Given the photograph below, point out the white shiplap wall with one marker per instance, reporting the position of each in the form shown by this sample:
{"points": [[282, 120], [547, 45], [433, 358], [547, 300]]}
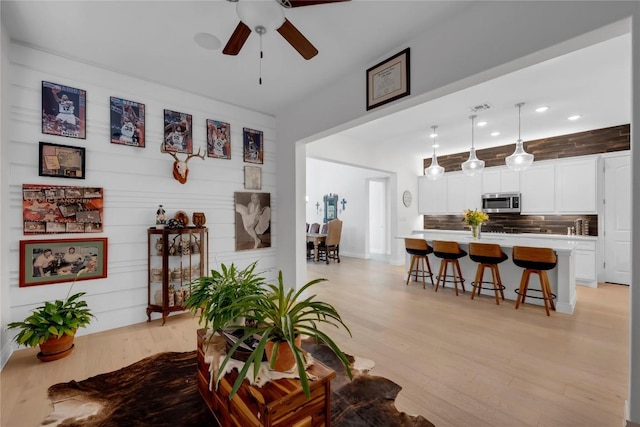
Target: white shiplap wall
{"points": [[135, 180]]}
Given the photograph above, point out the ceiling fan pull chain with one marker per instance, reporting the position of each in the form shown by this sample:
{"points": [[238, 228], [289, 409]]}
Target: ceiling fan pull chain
{"points": [[260, 70], [260, 30]]}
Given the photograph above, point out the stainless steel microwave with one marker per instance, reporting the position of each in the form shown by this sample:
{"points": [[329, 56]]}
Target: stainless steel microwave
{"points": [[501, 202]]}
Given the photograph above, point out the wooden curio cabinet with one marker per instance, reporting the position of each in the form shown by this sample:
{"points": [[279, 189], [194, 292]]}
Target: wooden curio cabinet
{"points": [[176, 258]]}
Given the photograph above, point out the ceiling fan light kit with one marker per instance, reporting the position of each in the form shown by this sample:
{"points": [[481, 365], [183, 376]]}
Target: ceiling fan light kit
{"points": [[520, 159], [474, 165]]}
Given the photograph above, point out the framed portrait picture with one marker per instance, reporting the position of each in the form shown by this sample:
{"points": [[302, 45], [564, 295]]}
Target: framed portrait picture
{"points": [[253, 220], [61, 161], [64, 110], [48, 209], [178, 135], [388, 80], [252, 143], [252, 178], [127, 122], [60, 260], [218, 139]]}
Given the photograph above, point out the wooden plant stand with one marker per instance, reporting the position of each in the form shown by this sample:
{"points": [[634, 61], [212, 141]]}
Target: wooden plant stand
{"points": [[278, 403]]}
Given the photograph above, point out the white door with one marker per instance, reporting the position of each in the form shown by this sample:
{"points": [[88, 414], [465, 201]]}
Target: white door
{"points": [[617, 220], [377, 217]]}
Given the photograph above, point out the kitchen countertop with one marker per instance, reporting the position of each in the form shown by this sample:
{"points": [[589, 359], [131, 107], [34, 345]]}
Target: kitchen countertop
{"points": [[558, 242]]}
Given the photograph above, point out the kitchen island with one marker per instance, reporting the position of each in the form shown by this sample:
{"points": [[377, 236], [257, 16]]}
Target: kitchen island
{"points": [[561, 278]]}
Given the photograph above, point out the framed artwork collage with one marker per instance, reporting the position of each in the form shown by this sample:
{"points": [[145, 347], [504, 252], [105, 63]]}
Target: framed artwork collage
{"points": [[56, 209]]}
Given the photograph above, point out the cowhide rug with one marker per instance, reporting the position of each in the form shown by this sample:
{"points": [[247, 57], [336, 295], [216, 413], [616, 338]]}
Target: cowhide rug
{"points": [[162, 390]]}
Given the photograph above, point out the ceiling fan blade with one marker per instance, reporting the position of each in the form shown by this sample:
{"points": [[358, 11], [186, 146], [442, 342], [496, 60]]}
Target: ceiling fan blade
{"points": [[297, 40], [239, 36], [298, 3]]}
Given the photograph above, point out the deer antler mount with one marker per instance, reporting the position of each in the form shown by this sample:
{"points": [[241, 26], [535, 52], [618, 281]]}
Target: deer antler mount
{"points": [[180, 168]]}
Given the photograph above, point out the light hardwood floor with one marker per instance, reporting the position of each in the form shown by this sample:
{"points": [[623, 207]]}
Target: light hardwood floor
{"points": [[461, 363]]}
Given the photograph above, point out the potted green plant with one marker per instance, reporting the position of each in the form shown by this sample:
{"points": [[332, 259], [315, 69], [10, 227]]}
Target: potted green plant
{"points": [[53, 325], [214, 295], [277, 319]]}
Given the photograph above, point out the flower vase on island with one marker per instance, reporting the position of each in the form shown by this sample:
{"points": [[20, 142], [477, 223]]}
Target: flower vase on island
{"points": [[475, 219]]}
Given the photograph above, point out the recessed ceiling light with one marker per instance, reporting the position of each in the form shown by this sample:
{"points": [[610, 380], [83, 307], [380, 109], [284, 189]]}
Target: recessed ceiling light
{"points": [[436, 145], [207, 41], [576, 117], [433, 135], [495, 133], [482, 124], [541, 109]]}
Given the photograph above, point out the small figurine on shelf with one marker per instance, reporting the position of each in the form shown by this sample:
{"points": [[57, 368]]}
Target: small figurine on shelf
{"points": [[199, 219], [161, 218]]}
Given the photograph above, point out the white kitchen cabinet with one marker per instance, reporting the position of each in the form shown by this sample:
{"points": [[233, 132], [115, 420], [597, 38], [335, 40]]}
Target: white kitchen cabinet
{"points": [[561, 187], [473, 192], [576, 186], [538, 188], [500, 179], [455, 192], [450, 195], [585, 264], [463, 192], [432, 196]]}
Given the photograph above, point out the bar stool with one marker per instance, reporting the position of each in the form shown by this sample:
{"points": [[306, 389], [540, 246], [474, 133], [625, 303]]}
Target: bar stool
{"points": [[419, 249], [449, 252], [535, 261], [488, 255]]}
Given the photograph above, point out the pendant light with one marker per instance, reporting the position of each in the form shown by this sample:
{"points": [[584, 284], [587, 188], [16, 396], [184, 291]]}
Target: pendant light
{"points": [[434, 172], [520, 159], [473, 166]]}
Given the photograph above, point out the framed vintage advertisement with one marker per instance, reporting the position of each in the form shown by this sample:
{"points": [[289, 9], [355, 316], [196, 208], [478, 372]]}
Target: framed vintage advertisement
{"points": [[252, 178], [253, 220], [252, 143], [60, 260], [61, 161], [178, 135], [64, 110], [50, 209], [218, 139], [127, 122], [389, 80]]}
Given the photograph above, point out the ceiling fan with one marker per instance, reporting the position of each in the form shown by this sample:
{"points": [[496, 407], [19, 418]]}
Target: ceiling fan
{"points": [[262, 16]]}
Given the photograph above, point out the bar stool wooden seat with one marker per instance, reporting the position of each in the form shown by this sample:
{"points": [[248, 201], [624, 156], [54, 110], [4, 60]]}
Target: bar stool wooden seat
{"points": [[419, 250], [487, 255], [449, 253], [535, 261]]}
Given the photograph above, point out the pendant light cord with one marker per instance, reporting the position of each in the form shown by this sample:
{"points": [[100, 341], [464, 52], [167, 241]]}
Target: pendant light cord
{"points": [[472, 129], [434, 139]]}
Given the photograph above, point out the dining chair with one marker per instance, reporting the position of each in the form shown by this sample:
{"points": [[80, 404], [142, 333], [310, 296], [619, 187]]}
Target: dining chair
{"points": [[330, 248]]}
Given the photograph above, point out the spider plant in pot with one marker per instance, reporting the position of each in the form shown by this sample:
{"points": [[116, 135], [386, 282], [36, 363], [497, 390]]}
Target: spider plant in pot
{"points": [[214, 295], [53, 325], [279, 318]]}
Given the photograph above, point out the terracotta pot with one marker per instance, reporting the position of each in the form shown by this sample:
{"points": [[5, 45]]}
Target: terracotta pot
{"points": [[56, 348], [285, 360]]}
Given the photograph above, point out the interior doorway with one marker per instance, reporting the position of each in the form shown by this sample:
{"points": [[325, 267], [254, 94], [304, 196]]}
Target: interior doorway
{"points": [[378, 230], [617, 219]]}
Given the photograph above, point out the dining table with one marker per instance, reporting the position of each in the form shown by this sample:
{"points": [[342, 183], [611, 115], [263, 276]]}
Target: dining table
{"points": [[316, 239]]}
